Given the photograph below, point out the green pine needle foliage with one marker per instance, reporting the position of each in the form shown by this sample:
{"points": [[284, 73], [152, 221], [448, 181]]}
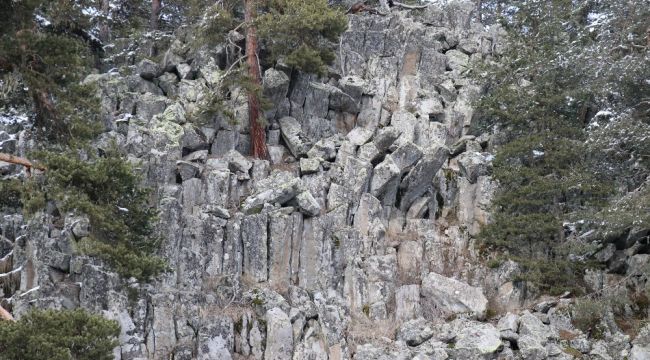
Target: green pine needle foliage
{"points": [[302, 32], [107, 190], [58, 335]]}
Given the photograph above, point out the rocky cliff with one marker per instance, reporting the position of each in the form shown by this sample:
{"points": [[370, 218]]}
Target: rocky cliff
{"points": [[354, 240]]}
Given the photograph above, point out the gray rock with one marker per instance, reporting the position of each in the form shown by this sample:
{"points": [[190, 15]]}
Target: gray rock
{"points": [[472, 165], [226, 140], [276, 154], [406, 156], [148, 105], [309, 165], [278, 193], [360, 135], [188, 170], [324, 149], [449, 296], [509, 322], [237, 162], [407, 302], [457, 60], [185, 71], [640, 353], [148, 69], [385, 138], [477, 340], [276, 85], [279, 342], [531, 348], [530, 325], [369, 152], [385, 178], [292, 134], [415, 332], [418, 181], [192, 138], [307, 204]]}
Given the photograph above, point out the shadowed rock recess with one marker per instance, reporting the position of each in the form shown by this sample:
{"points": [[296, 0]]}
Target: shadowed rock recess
{"points": [[355, 240]]}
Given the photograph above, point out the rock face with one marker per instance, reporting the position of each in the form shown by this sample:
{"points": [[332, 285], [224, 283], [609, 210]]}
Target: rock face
{"points": [[447, 296], [355, 240]]}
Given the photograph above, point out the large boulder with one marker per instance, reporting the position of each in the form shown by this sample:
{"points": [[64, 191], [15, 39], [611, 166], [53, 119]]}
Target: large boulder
{"points": [[276, 85], [277, 193], [445, 296], [477, 341]]}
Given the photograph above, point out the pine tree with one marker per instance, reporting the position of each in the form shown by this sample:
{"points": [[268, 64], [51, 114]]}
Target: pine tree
{"points": [[544, 96], [300, 33], [58, 335]]}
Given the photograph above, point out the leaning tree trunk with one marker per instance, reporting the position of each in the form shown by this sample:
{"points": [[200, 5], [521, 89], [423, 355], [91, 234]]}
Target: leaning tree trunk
{"points": [[258, 134]]}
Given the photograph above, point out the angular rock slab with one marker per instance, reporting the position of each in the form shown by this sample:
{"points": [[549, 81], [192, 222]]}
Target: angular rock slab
{"points": [[447, 297], [279, 342], [294, 138]]}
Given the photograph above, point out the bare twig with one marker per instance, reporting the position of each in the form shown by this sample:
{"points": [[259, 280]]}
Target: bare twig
{"points": [[410, 7]]}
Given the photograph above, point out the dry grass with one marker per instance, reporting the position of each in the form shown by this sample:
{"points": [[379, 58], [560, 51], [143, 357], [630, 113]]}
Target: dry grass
{"points": [[363, 330], [567, 335]]}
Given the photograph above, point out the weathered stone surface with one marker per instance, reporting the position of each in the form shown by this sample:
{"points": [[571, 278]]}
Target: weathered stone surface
{"points": [[406, 156], [187, 170], [324, 149], [237, 162], [407, 301], [531, 348], [385, 178], [148, 69], [415, 332], [418, 180], [278, 193], [307, 204], [448, 296], [385, 137], [530, 325], [276, 85], [279, 343], [472, 165], [359, 136], [477, 340], [309, 165], [292, 134]]}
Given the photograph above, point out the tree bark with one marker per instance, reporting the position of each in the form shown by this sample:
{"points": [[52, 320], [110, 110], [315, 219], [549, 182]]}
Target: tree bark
{"points": [[20, 161], [258, 134], [155, 11], [105, 31]]}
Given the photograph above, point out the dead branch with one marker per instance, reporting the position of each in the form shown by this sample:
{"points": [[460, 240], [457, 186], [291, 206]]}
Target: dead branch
{"points": [[5, 315], [409, 7], [20, 161]]}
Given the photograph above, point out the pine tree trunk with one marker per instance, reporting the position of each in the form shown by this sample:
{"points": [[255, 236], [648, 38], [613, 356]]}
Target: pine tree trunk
{"points": [[258, 134], [105, 31], [155, 11]]}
